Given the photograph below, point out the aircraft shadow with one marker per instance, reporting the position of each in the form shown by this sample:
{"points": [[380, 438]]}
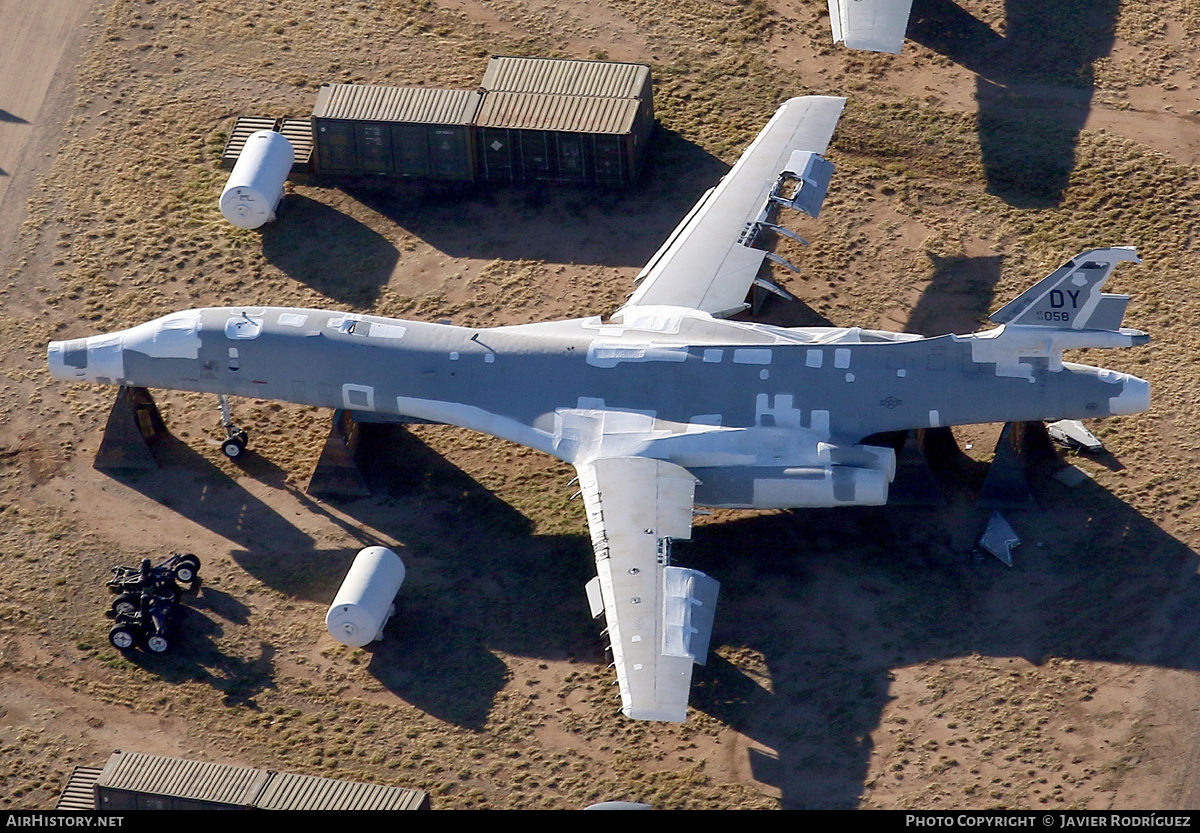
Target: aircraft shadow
{"points": [[832, 601], [478, 580], [835, 600], [556, 223], [1034, 85], [959, 296], [13, 118], [329, 251]]}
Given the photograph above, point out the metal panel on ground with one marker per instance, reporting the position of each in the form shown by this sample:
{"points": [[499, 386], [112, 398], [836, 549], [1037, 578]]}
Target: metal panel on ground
{"points": [[243, 129], [299, 133]]}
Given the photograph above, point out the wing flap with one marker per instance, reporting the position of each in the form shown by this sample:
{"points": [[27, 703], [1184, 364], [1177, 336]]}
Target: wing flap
{"points": [[659, 617], [710, 260]]}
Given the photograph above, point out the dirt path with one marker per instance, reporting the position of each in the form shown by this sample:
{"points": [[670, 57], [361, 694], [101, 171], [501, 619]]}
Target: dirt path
{"points": [[34, 39]]}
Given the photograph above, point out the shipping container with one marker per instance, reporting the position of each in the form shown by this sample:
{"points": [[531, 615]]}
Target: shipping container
{"points": [[532, 137], [395, 131], [564, 121], [602, 79], [135, 781]]}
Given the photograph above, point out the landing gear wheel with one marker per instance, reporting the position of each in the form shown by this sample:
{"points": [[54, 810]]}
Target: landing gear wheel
{"points": [[158, 643], [186, 569], [235, 446], [123, 637]]}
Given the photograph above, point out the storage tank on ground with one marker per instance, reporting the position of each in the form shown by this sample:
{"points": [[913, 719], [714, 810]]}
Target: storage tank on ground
{"points": [[363, 603], [255, 186]]}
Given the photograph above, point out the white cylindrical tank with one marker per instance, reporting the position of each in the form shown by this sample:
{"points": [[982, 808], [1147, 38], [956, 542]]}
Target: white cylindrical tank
{"points": [[363, 603], [255, 186]]}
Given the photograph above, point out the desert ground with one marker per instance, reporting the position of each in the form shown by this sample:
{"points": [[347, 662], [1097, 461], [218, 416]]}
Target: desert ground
{"points": [[862, 658]]}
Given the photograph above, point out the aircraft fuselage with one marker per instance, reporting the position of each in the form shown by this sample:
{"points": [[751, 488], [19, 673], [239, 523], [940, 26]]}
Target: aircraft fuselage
{"points": [[709, 394]]}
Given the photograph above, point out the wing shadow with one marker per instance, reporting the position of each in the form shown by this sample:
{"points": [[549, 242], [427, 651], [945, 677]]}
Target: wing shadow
{"points": [[835, 600], [1034, 85]]}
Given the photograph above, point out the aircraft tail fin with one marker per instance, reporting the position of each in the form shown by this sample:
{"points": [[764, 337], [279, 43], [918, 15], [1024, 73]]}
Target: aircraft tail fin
{"points": [[1069, 298]]}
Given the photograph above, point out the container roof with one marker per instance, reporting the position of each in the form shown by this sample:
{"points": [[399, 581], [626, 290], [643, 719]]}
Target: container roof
{"points": [[309, 792], [424, 105], [195, 780], [607, 79], [564, 113]]}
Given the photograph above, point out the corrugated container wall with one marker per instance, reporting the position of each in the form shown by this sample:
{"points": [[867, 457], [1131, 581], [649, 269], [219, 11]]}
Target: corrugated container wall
{"points": [[135, 781], [395, 131], [564, 121], [533, 120]]}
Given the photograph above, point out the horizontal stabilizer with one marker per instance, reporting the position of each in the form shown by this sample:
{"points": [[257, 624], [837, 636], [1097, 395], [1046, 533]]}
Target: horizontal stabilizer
{"points": [[1070, 298], [873, 25]]}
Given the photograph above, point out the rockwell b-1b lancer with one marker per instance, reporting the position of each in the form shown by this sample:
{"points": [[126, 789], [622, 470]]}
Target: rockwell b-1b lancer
{"points": [[668, 404]]}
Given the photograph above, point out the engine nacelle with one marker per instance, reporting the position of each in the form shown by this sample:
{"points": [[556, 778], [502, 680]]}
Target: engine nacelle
{"points": [[859, 478]]}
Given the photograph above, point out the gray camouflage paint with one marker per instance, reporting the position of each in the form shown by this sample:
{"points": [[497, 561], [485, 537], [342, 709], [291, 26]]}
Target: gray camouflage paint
{"points": [[733, 402]]}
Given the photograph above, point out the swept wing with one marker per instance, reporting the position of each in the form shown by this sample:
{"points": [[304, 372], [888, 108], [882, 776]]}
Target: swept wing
{"points": [[711, 259], [659, 617]]}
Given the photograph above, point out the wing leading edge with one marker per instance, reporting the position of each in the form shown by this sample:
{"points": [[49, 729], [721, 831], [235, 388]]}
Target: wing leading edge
{"points": [[710, 260], [659, 617]]}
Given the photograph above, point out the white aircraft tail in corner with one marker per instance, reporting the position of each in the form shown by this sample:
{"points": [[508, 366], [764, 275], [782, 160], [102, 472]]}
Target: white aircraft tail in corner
{"points": [[874, 25]]}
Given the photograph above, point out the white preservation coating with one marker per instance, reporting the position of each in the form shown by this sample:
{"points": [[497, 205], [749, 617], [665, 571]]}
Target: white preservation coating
{"points": [[363, 603], [255, 186]]}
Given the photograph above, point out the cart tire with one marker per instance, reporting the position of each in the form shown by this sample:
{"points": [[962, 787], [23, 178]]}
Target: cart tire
{"points": [[123, 637], [125, 605]]}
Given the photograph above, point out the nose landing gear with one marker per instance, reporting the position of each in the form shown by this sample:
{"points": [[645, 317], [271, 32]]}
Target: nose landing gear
{"points": [[234, 444]]}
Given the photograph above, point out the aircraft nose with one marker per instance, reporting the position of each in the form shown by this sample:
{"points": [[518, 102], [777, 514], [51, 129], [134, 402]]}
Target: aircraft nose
{"points": [[1133, 399], [92, 359]]}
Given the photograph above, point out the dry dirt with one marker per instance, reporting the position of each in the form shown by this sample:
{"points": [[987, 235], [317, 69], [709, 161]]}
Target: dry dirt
{"points": [[862, 658]]}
